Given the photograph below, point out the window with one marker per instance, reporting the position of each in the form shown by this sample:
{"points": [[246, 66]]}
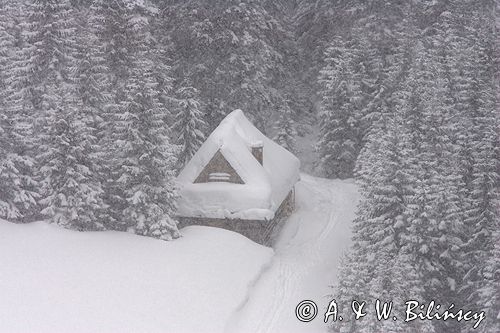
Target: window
{"points": [[219, 177]]}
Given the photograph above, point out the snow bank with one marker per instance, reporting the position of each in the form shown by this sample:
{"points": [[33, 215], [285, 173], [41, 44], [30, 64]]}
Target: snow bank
{"points": [[55, 280], [265, 186]]}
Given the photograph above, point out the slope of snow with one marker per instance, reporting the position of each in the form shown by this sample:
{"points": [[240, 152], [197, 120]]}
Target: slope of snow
{"points": [[55, 280], [308, 253], [265, 186]]}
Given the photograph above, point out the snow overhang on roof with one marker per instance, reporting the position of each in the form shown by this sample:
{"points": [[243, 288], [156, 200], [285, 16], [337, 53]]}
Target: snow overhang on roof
{"points": [[265, 186]]}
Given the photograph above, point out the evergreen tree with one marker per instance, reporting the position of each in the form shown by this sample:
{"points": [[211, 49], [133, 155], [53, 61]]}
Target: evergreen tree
{"points": [[482, 213], [231, 49], [108, 69], [439, 211], [396, 281], [489, 292], [92, 96], [143, 174], [189, 124], [69, 192], [286, 132], [17, 195], [338, 140], [381, 230]]}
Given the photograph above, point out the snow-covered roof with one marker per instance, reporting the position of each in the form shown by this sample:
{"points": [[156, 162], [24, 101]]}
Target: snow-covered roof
{"points": [[265, 186]]}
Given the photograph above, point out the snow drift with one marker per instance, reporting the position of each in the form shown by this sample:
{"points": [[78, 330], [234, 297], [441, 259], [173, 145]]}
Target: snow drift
{"points": [[55, 280]]}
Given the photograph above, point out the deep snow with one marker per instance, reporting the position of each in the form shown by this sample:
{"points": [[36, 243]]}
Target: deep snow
{"points": [[59, 281], [305, 265], [211, 280]]}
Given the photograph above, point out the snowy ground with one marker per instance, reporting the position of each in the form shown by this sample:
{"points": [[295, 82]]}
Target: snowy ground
{"points": [[211, 280], [59, 281], [306, 260]]}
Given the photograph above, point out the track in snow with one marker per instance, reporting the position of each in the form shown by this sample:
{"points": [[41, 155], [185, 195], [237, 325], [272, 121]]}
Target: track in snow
{"points": [[307, 255]]}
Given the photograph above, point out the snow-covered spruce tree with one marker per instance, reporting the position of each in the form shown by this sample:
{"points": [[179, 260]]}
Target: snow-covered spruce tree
{"points": [[314, 25], [441, 153], [17, 196], [92, 99], [189, 125], [145, 159], [93, 73], [17, 187], [231, 51], [482, 213], [378, 266], [382, 32], [112, 20], [285, 127], [444, 97], [290, 83], [462, 49], [434, 216], [352, 284], [395, 280], [162, 55], [402, 219], [69, 191], [108, 25], [489, 292], [337, 144]]}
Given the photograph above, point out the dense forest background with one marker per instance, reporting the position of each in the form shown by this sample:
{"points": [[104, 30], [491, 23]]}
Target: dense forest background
{"points": [[101, 102]]}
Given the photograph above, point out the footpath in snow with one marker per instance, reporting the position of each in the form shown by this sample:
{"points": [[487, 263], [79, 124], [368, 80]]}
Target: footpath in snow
{"points": [[305, 264]]}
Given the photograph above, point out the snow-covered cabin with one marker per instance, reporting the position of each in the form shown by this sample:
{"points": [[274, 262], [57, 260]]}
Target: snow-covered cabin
{"points": [[238, 180]]}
